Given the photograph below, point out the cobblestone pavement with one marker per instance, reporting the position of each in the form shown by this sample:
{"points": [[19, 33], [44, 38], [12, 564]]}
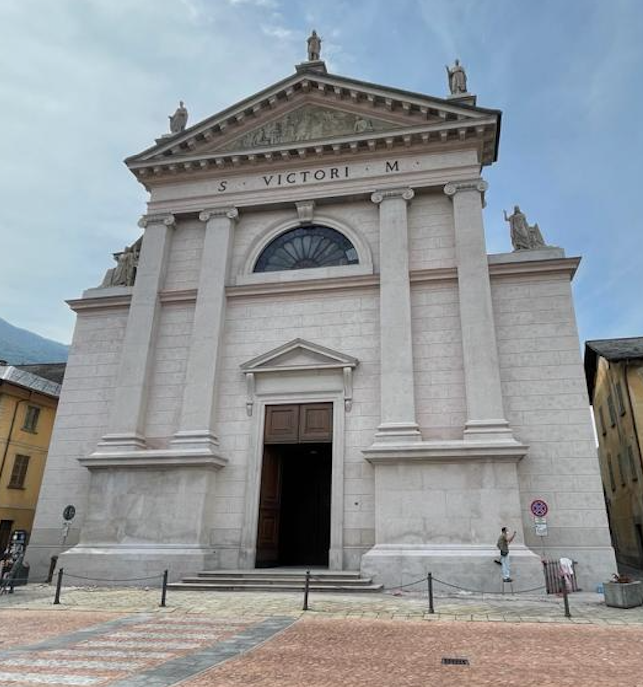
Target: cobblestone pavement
{"points": [[120, 637], [361, 653], [586, 608]]}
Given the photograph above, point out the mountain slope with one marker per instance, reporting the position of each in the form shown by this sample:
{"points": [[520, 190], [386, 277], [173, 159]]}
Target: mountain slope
{"points": [[19, 346]]}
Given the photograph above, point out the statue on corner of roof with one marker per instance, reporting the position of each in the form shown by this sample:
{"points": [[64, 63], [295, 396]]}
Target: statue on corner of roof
{"points": [[314, 47], [457, 78], [124, 274], [179, 119], [523, 235]]}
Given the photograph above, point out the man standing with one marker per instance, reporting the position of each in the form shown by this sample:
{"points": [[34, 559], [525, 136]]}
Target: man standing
{"points": [[503, 544]]}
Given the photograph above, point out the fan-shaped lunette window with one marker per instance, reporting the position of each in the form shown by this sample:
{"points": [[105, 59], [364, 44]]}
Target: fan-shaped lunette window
{"points": [[305, 247]]}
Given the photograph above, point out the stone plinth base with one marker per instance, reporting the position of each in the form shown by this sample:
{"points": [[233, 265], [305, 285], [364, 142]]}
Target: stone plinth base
{"points": [[471, 567], [118, 565]]}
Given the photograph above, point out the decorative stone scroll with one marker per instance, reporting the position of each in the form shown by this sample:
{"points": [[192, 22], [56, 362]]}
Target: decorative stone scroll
{"points": [[403, 193], [230, 212]]}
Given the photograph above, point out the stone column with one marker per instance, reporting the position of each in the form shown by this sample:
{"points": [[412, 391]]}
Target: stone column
{"points": [[126, 423], [485, 414], [196, 428], [398, 422]]}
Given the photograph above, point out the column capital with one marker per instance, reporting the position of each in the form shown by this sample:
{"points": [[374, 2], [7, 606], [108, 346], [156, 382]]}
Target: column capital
{"points": [[168, 219], [453, 187], [390, 193], [209, 213]]}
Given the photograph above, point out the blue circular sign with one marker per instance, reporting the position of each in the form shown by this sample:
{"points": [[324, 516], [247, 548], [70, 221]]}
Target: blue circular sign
{"points": [[539, 508]]}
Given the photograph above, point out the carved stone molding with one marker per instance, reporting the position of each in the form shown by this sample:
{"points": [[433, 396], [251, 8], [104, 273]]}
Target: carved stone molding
{"points": [[146, 220], [305, 211], [388, 194], [453, 187], [230, 212]]}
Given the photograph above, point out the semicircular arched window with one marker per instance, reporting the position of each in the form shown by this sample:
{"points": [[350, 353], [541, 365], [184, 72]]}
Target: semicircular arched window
{"points": [[306, 247]]}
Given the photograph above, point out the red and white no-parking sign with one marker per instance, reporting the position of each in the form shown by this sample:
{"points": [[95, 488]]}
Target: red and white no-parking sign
{"points": [[539, 508]]}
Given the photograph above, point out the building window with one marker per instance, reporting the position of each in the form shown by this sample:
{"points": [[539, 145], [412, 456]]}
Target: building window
{"points": [[306, 247], [621, 468], [19, 472], [630, 455], [611, 471], [610, 407], [619, 398], [601, 418], [31, 419]]}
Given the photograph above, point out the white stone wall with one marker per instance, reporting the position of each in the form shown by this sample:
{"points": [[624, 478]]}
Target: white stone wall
{"points": [[184, 259], [545, 399], [81, 419], [347, 322], [431, 232], [437, 360], [168, 373]]}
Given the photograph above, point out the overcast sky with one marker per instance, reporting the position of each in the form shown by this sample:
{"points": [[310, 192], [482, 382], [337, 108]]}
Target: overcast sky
{"points": [[85, 83]]}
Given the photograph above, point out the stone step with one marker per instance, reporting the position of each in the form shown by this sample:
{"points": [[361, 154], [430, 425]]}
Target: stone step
{"points": [[284, 572], [263, 586], [277, 579]]}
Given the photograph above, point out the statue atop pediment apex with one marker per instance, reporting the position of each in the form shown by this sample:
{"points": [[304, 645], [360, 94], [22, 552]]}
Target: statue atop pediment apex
{"points": [[314, 47], [179, 120], [457, 79], [523, 235]]}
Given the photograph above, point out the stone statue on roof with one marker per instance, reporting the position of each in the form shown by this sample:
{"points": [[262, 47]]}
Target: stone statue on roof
{"points": [[457, 78], [523, 235], [179, 119], [124, 274], [314, 47]]}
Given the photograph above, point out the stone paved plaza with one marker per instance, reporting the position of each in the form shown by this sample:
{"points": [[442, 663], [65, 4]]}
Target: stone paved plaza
{"points": [[122, 637]]}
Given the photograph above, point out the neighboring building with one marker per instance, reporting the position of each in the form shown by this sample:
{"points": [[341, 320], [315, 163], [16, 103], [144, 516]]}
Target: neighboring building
{"points": [[28, 401], [312, 360], [614, 371]]}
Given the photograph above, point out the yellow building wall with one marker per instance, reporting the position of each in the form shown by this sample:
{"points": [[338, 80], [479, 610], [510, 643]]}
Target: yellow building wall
{"points": [[19, 505], [619, 432]]}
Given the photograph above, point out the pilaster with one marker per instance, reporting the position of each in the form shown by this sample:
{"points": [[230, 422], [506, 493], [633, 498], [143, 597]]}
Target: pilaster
{"points": [[196, 429], [398, 422], [126, 423], [485, 414]]}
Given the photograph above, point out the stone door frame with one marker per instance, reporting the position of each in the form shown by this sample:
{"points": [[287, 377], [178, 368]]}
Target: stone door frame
{"points": [[272, 396]]}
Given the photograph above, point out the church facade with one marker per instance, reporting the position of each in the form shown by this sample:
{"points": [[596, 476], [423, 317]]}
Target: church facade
{"points": [[310, 359]]}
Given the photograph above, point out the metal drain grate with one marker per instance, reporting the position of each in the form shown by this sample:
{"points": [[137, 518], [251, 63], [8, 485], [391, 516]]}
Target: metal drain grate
{"points": [[455, 661]]}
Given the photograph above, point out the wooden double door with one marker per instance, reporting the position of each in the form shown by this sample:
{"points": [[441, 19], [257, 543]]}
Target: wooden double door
{"points": [[294, 504]]}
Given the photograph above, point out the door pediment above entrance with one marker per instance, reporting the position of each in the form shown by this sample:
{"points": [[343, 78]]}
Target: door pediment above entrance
{"points": [[299, 354], [304, 357]]}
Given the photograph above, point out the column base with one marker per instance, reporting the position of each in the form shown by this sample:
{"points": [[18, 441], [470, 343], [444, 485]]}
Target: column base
{"points": [[398, 433], [116, 443], [469, 566], [488, 431], [203, 441]]}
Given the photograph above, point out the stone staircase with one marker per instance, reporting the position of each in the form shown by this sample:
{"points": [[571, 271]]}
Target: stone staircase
{"points": [[276, 580]]}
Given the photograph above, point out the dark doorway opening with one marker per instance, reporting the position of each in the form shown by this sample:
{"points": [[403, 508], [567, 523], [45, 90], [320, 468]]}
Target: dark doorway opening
{"points": [[295, 500]]}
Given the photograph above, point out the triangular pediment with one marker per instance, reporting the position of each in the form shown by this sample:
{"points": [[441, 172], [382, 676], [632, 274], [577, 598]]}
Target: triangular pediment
{"points": [[319, 113], [299, 355]]}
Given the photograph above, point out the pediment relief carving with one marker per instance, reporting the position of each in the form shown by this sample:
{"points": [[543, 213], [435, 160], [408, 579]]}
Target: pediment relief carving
{"points": [[308, 123]]}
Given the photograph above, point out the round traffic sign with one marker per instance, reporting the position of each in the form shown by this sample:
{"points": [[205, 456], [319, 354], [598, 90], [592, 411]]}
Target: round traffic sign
{"points": [[69, 512], [539, 508]]}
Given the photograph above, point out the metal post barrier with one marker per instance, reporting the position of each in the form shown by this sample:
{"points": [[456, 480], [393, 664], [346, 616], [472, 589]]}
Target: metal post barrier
{"points": [[52, 567], [429, 580], [164, 588], [565, 598], [306, 589], [59, 584]]}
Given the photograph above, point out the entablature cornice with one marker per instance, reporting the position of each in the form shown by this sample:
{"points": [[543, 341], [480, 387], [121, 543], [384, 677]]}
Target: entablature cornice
{"points": [[478, 134]]}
